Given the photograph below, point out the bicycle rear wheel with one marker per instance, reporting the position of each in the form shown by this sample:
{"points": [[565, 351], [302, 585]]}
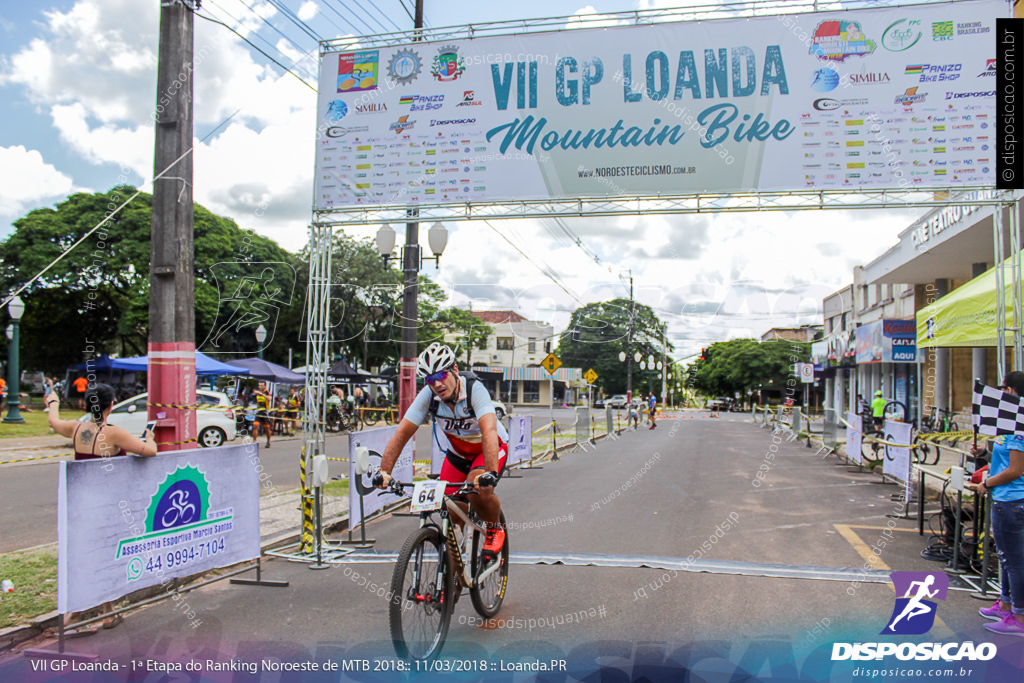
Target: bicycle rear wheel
{"points": [[872, 449], [487, 595], [421, 596], [953, 427], [368, 416]]}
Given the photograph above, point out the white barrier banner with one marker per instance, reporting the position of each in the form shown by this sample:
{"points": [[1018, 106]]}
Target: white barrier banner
{"points": [[897, 458], [374, 499], [855, 438], [520, 440], [900, 97], [128, 523]]}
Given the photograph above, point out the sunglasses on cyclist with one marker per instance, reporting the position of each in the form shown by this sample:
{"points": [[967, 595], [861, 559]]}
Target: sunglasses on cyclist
{"points": [[436, 377]]}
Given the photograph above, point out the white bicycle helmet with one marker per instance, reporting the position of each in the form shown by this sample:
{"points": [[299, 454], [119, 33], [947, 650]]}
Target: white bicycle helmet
{"points": [[436, 358]]}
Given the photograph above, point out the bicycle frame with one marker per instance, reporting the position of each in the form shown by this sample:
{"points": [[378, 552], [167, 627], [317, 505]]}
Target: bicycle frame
{"points": [[456, 539]]}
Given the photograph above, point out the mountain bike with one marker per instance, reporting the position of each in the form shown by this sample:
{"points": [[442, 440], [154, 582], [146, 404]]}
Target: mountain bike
{"points": [[940, 420], [873, 450], [437, 562]]}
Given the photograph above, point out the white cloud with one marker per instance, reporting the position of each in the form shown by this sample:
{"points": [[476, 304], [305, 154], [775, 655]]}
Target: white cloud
{"points": [[28, 180], [308, 10]]}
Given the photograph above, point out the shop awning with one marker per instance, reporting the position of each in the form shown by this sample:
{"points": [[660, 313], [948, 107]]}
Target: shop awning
{"points": [[966, 317]]}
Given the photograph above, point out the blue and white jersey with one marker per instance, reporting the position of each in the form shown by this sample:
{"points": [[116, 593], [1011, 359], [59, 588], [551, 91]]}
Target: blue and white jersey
{"points": [[461, 428]]}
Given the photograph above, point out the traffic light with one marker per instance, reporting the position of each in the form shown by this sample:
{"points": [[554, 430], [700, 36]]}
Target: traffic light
{"points": [[575, 336], [703, 354]]}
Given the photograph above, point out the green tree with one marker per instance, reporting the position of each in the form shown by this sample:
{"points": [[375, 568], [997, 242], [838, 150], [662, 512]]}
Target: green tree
{"points": [[96, 299], [740, 366], [598, 332], [470, 332]]}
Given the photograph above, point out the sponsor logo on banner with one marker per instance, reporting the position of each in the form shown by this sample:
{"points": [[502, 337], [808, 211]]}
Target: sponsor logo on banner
{"points": [[422, 102], [340, 131], [990, 69], [942, 30], [370, 108], [448, 65], [910, 97], [402, 124], [869, 78], [404, 67], [835, 40], [469, 99], [825, 80], [358, 71], [827, 104], [971, 28], [336, 110], [452, 122], [963, 95], [901, 35]]}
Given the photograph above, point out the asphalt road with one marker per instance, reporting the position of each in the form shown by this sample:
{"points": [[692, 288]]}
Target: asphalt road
{"points": [[740, 504], [28, 490]]}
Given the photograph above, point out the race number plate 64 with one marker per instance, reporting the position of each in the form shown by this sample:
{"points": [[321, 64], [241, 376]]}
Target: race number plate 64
{"points": [[427, 495]]}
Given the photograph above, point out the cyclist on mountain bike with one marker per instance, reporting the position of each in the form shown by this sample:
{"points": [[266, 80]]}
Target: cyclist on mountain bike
{"points": [[878, 411], [478, 440]]}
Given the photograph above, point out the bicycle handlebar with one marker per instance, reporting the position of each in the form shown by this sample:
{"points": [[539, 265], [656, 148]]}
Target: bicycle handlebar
{"points": [[398, 487]]}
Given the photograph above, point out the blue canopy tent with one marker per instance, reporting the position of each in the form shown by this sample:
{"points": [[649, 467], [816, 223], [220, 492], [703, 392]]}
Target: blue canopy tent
{"points": [[204, 365], [261, 369]]}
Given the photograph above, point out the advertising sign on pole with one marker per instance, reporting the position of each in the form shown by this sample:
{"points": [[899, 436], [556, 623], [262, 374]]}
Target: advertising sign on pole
{"points": [[889, 97], [520, 439], [373, 500], [897, 458], [854, 437]]}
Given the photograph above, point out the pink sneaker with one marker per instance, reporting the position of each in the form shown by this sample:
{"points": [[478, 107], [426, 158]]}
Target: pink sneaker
{"points": [[994, 613], [1009, 626]]}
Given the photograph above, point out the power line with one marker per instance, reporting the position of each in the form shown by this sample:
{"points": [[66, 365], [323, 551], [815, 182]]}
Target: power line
{"points": [[257, 48], [295, 20], [268, 23], [547, 274]]}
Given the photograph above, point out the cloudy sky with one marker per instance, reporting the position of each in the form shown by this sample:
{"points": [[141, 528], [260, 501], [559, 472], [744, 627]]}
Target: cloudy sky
{"points": [[77, 91]]}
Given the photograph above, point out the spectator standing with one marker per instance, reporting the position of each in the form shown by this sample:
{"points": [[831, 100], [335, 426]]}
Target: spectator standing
{"points": [[878, 411], [1006, 482], [652, 408], [264, 403], [81, 385]]}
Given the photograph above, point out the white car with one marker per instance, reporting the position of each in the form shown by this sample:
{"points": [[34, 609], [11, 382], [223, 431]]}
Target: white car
{"points": [[616, 401], [215, 417]]}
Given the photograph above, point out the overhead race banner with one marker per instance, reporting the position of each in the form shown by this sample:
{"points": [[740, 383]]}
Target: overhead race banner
{"points": [[878, 98], [128, 523]]}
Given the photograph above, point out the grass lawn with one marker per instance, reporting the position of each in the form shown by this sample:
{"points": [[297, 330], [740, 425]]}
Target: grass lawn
{"points": [[34, 575], [36, 424]]}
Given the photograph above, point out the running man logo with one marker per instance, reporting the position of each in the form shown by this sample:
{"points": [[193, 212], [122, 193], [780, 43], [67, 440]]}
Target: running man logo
{"points": [[914, 613]]}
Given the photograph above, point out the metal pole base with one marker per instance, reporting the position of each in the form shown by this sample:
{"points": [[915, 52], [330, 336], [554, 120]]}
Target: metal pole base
{"points": [[318, 565]]}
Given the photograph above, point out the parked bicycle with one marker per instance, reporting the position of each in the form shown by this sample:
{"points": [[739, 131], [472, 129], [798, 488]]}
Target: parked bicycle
{"points": [[940, 420], [370, 416], [437, 562]]}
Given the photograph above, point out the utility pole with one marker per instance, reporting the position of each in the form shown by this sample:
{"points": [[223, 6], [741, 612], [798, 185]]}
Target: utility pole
{"points": [[172, 346], [411, 289], [629, 343]]}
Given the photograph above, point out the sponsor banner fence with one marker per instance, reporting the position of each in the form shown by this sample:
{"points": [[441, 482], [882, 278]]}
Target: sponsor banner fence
{"points": [[899, 97], [375, 500], [855, 437], [520, 439], [128, 523], [897, 458]]}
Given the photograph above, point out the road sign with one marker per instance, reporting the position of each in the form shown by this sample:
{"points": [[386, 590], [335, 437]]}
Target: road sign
{"points": [[551, 363], [590, 376]]}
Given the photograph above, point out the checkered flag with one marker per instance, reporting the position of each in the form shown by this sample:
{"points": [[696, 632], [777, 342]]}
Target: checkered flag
{"points": [[996, 412]]}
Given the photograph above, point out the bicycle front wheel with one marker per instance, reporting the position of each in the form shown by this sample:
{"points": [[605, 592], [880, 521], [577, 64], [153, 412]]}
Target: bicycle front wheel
{"points": [[369, 417], [488, 594], [953, 427], [420, 607]]}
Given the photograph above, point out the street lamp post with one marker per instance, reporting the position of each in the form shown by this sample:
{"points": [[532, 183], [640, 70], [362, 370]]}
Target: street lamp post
{"points": [[412, 261], [16, 308], [261, 336]]}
